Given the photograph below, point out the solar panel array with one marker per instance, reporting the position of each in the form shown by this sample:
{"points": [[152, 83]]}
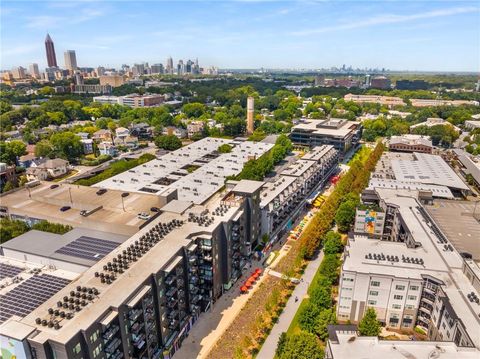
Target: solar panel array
{"points": [[30, 294], [9, 271], [88, 248]]}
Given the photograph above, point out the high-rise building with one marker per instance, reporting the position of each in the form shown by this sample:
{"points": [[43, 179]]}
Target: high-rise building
{"points": [[157, 69], [250, 111], [34, 72], [180, 67], [50, 49], [70, 60], [138, 69], [78, 78], [18, 73], [100, 71], [170, 65]]}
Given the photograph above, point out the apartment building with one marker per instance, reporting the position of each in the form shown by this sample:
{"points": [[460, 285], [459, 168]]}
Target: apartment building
{"points": [[344, 341], [340, 133], [415, 277], [382, 100], [141, 299], [284, 197]]}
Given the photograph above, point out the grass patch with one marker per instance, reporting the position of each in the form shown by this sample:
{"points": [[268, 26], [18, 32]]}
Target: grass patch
{"points": [[115, 169], [294, 327], [66, 175]]}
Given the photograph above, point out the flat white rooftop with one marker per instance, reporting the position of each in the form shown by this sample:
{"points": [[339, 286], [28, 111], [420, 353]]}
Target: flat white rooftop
{"points": [[425, 168], [350, 345], [196, 171]]}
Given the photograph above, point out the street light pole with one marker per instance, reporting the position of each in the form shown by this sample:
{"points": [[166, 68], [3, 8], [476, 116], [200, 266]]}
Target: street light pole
{"points": [[70, 193]]}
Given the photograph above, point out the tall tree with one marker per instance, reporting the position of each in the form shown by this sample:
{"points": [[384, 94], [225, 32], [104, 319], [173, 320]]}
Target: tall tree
{"points": [[369, 325]]}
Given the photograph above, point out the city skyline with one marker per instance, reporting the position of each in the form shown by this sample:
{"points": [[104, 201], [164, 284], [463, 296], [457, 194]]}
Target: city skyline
{"points": [[414, 36]]}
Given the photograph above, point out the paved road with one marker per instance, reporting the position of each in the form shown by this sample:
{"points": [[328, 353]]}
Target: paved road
{"points": [[268, 349]]}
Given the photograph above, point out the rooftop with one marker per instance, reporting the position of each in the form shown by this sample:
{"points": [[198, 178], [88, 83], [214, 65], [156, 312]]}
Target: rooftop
{"points": [[349, 345], [432, 259], [332, 127], [80, 246], [196, 171], [417, 168], [411, 140], [108, 214], [128, 284]]}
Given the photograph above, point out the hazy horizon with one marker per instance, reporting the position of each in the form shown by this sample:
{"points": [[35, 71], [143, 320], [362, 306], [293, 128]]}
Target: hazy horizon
{"points": [[415, 36]]}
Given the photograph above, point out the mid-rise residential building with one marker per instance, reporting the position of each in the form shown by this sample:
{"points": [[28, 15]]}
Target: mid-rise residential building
{"points": [[413, 277], [380, 82], [143, 297], [112, 80], [410, 143], [342, 134], [282, 199]]}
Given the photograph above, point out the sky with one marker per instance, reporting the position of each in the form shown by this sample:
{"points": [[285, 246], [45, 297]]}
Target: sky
{"points": [[309, 34]]}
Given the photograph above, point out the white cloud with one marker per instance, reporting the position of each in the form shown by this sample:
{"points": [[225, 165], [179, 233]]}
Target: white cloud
{"points": [[388, 19], [46, 22]]}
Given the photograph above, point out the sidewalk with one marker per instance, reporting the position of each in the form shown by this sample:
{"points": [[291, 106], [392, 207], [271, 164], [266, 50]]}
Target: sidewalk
{"points": [[268, 349], [211, 325]]}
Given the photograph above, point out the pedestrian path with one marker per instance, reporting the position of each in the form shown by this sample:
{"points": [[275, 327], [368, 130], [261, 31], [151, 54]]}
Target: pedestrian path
{"points": [[268, 349]]}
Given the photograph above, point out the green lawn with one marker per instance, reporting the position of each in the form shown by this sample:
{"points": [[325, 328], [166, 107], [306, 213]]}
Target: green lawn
{"points": [[362, 154], [294, 327]]}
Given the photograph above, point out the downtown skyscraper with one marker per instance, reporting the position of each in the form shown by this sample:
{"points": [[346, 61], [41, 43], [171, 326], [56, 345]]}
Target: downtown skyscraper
{"points": [[50, 49], [70, 60]]}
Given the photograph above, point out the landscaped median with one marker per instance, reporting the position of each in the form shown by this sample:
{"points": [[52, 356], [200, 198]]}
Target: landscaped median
{"points": [[244, 338]]}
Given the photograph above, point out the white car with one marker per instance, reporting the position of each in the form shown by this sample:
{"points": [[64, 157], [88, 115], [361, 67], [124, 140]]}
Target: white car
{"points": [[143, 216]]}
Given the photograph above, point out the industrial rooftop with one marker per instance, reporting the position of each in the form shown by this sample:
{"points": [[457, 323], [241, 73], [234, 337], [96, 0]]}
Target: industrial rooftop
{"points": [[196, 171]]}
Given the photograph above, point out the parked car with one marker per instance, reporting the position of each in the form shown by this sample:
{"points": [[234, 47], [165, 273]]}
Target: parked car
{"points": [[143, 216], [83, 212], [125, 194], [65, 208], [101, 191], [53, 186], [155, 209]]}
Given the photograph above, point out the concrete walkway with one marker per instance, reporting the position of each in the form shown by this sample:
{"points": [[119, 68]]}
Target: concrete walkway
{"points": [[211, 325], [268, 349]]}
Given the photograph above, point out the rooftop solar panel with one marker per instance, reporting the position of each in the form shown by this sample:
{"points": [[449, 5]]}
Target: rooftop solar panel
{"points": [[7, 270], [30, 294], [88, 248]]}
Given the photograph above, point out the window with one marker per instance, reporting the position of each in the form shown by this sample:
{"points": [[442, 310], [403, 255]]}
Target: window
{"points": [[398, 297], [412, 297], [373, 292], [372, 302], [400, 287], [414, 287], [77, 349], [409, 306], [96, 351], [396, 306], [374, 283], [94, 336]]}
